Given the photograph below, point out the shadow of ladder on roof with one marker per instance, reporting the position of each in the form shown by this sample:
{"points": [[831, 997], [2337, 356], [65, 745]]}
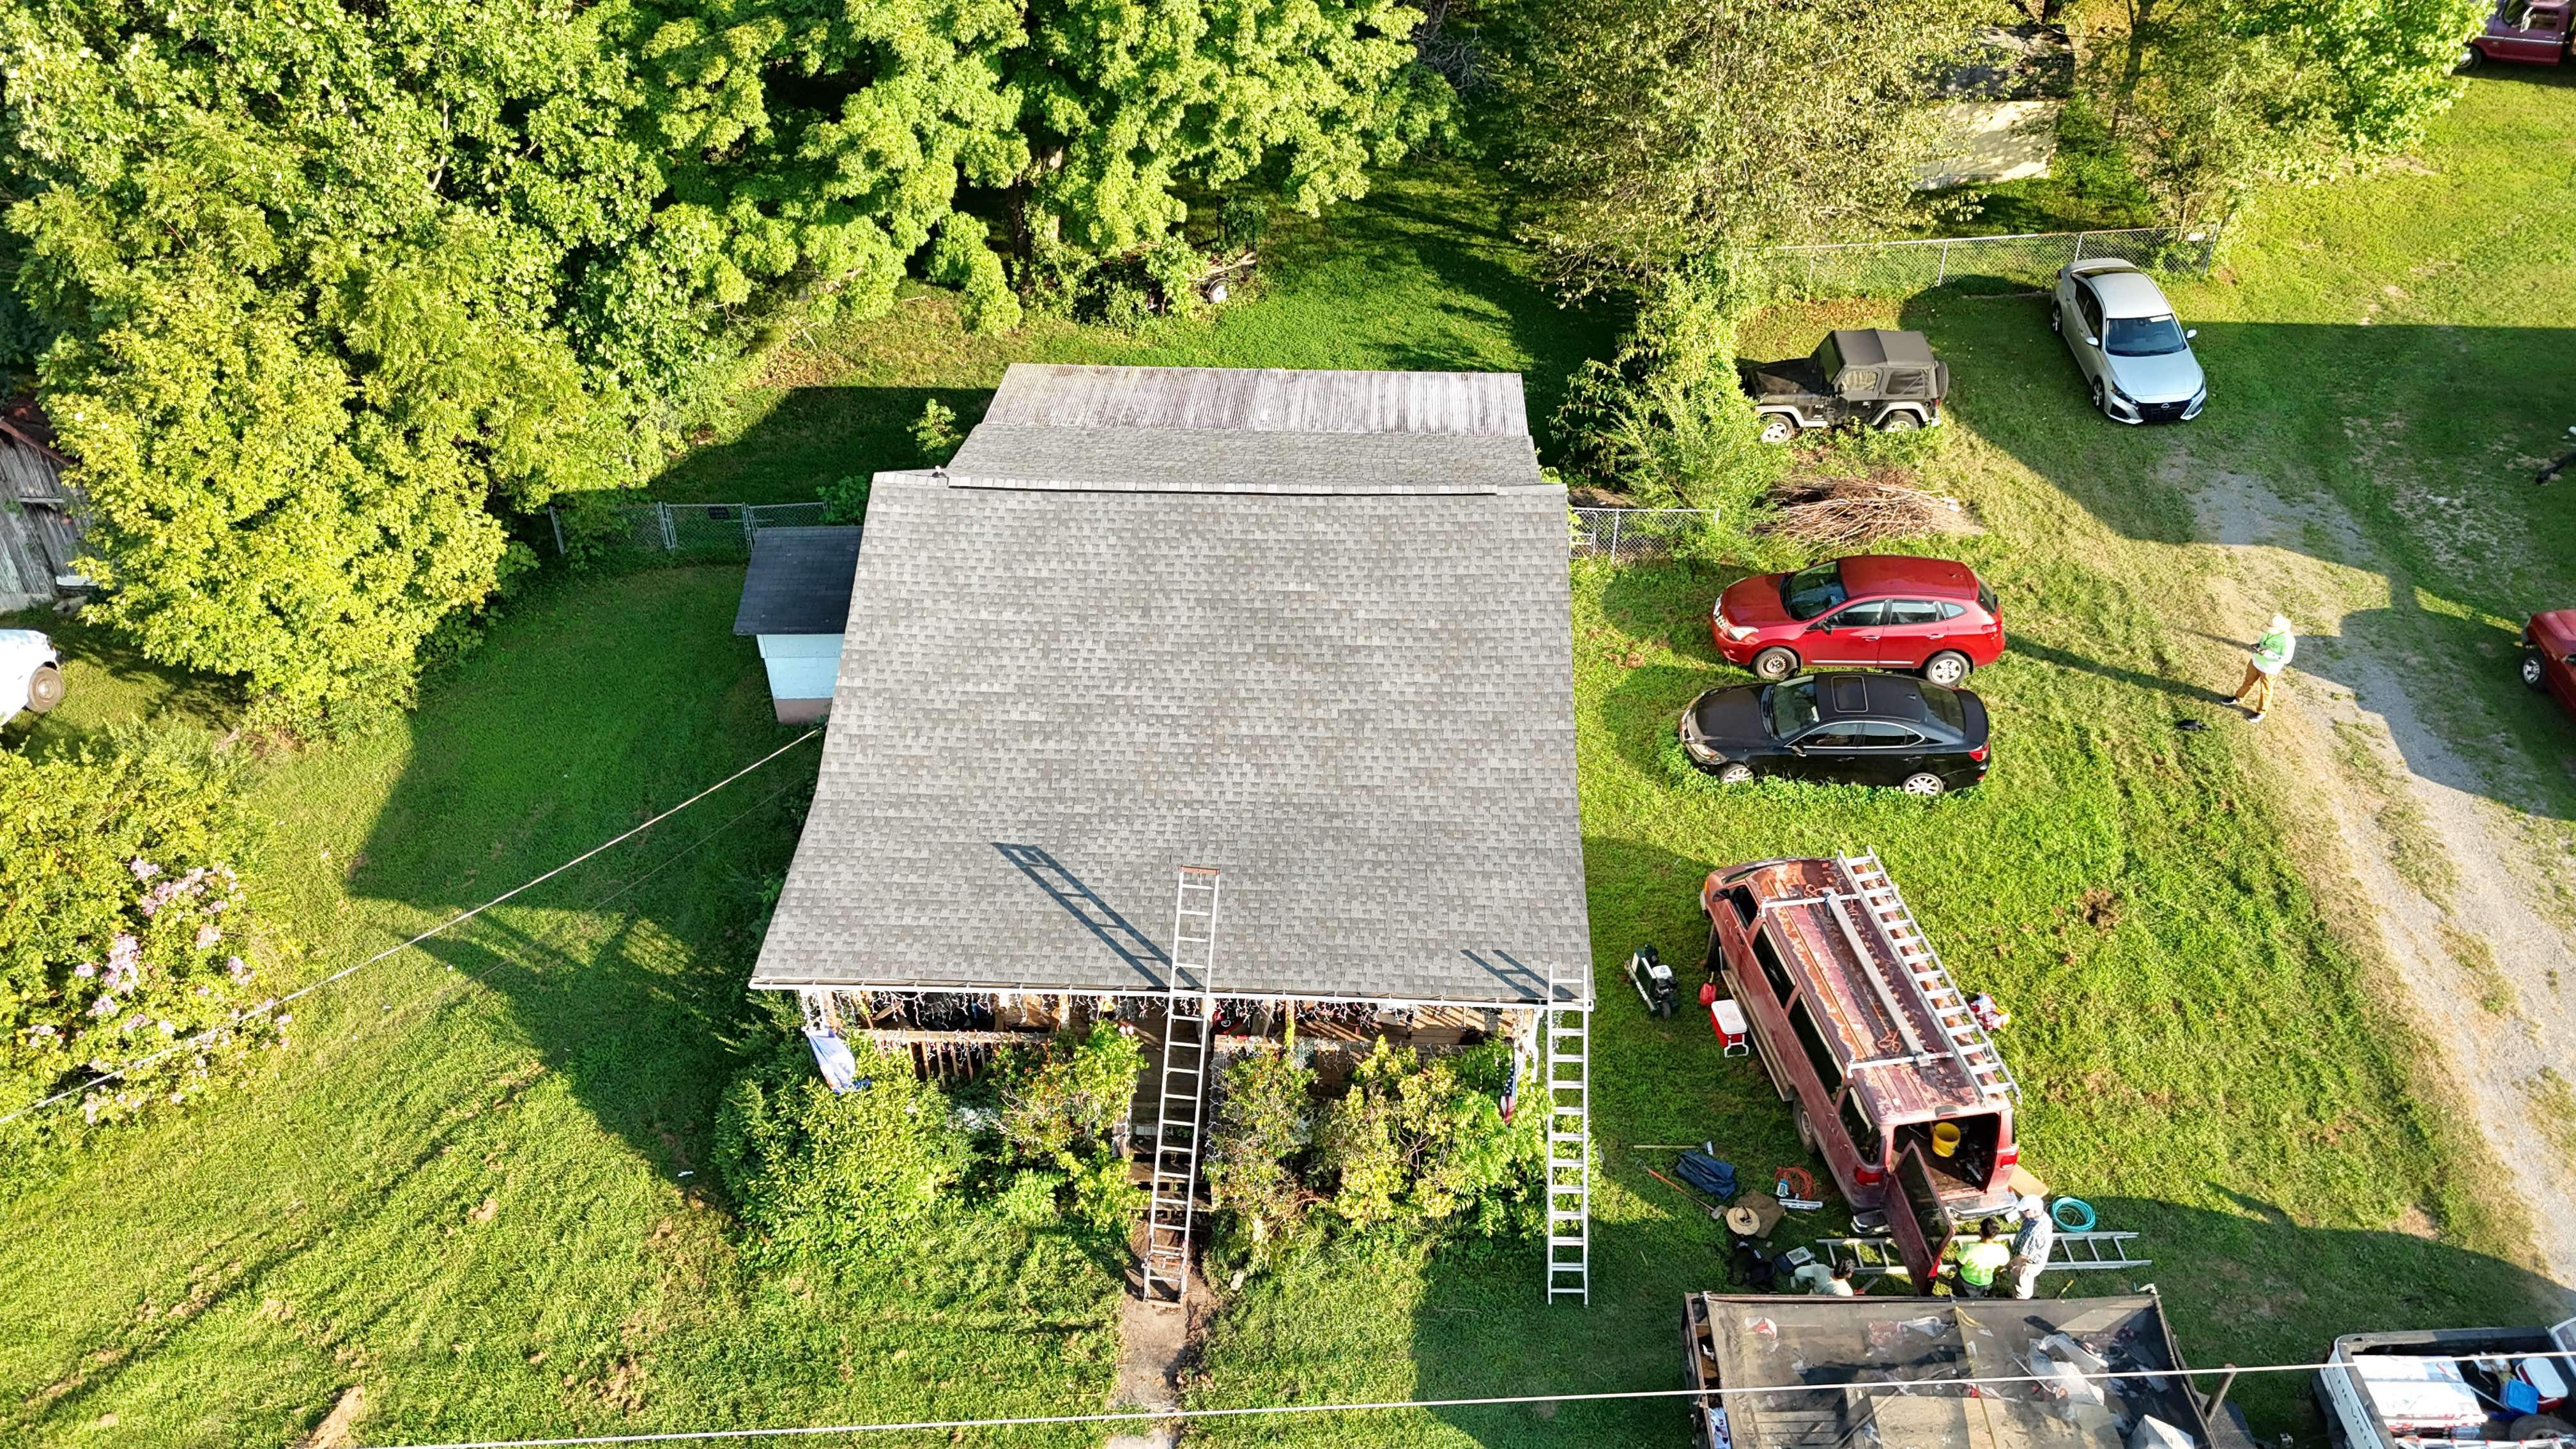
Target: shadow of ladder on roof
{"points": [[1095, 914]]}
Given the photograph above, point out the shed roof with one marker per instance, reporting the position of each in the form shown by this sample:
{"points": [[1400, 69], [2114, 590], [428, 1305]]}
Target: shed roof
{"points": [[798, 581], [1356, 702]]}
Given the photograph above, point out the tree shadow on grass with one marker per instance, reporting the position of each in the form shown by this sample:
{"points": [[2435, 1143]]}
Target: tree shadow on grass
{"points": [[811, 436]]}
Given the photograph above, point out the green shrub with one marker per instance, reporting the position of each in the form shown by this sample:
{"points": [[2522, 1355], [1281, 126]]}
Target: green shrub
{"points": [[1422, 1147], [1666, 421], [1264, 1123], [126, 922], [845, 499], [1063, 1103], [935, 432], [960, 259], [813, 1168]]}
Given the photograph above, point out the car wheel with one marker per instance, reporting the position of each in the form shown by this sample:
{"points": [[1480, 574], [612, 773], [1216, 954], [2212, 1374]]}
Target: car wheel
{"points": [[2470, 57], [2535, 670], [1735, 773], [2056, 319], [1779, 428], [44, 688], [1925, 784], [1775, 664], [1807, 1134], [2101, 404], [1946, 668], [1899, 423]]}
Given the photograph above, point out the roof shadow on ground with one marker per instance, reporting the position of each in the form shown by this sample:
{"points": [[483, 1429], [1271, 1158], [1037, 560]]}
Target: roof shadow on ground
{"points": [[596, 704], [2336, 477]]}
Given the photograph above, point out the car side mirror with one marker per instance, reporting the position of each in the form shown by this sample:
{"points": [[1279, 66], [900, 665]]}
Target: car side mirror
{"points": [[1821, 626], [2189, 333], [2092, 341]]}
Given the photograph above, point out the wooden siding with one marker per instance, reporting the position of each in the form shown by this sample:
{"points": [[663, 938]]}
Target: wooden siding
{"points": [[40, 528]]}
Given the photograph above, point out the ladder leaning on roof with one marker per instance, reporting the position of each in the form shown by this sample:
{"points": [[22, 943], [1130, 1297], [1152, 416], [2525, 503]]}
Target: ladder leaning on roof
{"points": [[1565, 1073], [1965, 1039], [1187, 1023]]}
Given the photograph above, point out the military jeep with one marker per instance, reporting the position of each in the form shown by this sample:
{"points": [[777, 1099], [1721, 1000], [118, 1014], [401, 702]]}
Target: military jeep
{"points": [[1873, 377]]}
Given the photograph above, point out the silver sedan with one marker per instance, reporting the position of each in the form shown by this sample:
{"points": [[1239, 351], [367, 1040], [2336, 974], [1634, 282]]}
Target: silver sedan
{"points": [[2134, 356]]}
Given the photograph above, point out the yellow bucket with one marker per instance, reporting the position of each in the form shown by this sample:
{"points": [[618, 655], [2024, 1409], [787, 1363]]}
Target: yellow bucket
{"points": [[1945, 1139]]}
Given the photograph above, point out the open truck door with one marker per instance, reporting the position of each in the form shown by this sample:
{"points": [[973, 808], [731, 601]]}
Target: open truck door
{"points": [[1915, 1217]]}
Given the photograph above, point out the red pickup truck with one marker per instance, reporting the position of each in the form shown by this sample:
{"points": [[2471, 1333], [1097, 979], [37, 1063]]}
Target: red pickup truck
{"points": [[2528, 32]]}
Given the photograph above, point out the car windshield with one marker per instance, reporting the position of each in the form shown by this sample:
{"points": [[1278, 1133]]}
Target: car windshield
{"points": [[1792, 707], [1810, 592], [1943, 705], [2142, 336]]}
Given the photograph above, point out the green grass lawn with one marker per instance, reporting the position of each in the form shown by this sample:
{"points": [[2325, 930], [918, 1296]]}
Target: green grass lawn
{"points": [[2209, 1063]]}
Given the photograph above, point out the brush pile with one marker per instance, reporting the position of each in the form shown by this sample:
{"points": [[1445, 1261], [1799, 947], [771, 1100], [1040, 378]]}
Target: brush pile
{"points": [[1828, 515]]}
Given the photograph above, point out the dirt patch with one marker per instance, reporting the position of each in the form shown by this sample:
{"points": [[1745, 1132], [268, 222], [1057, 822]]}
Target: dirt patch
{"points": [[336, 1431], [2420, 831]]}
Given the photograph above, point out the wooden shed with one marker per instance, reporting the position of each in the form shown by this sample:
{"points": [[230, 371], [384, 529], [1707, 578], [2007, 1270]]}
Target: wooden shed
{"points": [[796, 602], [40, 520]]}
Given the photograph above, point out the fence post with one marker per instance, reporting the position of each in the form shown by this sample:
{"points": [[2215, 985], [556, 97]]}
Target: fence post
{"points": [[557, 520], [1615, 519], [670, 535], [2079, 245], [1945, 263], [746, 525]]}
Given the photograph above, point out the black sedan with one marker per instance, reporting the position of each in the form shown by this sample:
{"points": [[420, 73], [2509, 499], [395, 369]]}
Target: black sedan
{"points": [[1857, 729]]}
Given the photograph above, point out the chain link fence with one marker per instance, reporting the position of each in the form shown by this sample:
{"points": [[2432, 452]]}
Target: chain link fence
{"points": [[2029, 260], [699, 528], [1629, 535]]}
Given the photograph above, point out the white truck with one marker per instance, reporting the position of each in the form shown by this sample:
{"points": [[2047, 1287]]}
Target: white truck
{"points": [[31, 673], [2441, 1388]]}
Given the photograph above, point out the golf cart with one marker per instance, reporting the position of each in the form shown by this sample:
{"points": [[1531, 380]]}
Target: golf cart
{"points": [[1872, 377]]}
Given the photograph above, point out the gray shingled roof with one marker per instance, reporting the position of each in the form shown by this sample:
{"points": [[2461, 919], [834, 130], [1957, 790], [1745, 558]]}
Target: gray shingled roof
{"points": [[798, 581], [1359, 706]]}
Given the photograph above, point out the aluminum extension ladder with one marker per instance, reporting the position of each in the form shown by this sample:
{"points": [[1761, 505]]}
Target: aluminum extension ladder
{"points": [[2070, 1253], [1566, 1077], [1187, 1022], [1966, 1040]]}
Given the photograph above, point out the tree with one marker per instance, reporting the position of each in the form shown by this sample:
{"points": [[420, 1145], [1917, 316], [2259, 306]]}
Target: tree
{"points": [[1651, 130], [310, 275], [2212, 97]]}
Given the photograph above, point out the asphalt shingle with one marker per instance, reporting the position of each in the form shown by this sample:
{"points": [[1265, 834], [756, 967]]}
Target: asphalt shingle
{"points": [[798, 581]]}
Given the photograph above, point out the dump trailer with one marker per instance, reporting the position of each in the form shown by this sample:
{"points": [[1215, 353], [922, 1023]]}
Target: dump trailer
{"points": [[1777, 1372], [2497, 1386]]}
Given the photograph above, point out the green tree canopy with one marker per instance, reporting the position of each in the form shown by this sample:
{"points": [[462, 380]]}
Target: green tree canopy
{"points": [[1652, 130]]}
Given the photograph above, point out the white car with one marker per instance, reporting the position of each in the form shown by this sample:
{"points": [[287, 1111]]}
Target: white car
{"points": [[2135, 357], [31, 673]]}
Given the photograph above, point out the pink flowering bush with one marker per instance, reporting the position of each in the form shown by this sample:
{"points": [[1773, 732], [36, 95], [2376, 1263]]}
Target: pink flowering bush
{"points": [[124, 928]]}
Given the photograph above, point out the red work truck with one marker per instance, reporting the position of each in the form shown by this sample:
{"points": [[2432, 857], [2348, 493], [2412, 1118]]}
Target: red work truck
{"points": [[2526, 32]]}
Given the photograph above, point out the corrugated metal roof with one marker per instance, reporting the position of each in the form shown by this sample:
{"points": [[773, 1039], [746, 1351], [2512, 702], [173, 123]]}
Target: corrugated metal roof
{"points": [[798, 581], [1358, 706]]}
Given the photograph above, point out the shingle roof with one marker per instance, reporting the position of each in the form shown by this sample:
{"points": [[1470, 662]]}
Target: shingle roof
{"points": [[1358, 705], [798, 582]]}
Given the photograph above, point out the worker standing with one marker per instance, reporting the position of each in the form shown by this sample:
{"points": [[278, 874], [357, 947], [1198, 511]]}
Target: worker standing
{"points": [[1981, 1260], [2271, 655], [2031, 1244]]}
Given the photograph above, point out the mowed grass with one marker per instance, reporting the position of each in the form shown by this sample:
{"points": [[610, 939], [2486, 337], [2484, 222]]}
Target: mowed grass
{"points": [[2206, 1053], [477, 1183]]}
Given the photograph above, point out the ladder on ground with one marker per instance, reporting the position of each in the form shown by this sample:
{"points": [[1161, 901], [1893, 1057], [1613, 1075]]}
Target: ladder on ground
{"points": [[1188, 1009], [1964, 1039], [2070, 1253], [1565, 1076]]}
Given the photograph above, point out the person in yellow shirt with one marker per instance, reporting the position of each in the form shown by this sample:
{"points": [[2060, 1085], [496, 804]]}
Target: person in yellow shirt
{"points": [[1981, 1260]]}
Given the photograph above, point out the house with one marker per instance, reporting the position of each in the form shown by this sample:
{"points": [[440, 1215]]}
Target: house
{"points": [[41, 516], [1207, 701], [1997, 117], [796, 602]]}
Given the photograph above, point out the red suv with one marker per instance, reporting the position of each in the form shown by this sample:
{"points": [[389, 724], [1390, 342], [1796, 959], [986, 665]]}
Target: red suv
{"points": [[2549, 654], [1876, 612]]}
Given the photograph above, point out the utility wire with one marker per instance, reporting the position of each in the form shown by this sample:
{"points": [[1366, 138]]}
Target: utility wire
{"points": [[1166, 1415], [214, 1032]]}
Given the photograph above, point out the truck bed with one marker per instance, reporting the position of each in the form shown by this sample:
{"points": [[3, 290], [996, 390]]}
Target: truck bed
{"points": [[2405, 1408]]}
